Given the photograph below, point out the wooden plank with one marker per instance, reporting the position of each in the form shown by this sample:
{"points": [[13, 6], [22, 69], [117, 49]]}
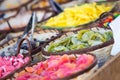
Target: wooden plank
{"points": [[110, 71]]}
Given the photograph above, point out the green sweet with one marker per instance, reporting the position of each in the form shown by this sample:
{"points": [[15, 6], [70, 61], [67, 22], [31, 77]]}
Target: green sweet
{"points": [[83, 39]]}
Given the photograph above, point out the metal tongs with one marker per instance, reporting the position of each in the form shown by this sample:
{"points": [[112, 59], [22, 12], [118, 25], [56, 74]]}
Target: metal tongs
{"points": [[55, 6], [29, 28]]}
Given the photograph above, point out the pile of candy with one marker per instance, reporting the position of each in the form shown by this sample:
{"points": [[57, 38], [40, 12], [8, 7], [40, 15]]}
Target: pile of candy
{"points": [[56, 67], [107, 20], [9, 64], [83, 39], [77, 15]]}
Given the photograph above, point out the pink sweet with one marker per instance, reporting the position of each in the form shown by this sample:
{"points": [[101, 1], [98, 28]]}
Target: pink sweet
{"points": [[56, 67], [9, 64]]}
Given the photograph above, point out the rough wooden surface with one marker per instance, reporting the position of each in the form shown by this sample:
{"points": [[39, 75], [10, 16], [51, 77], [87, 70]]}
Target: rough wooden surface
{"points": [[110, 71]]}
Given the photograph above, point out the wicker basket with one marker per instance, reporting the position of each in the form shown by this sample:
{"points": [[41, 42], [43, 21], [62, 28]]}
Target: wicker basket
{"points": [[88, 71], [25, 64], [14, 8], [37, 6], [102, 51], [46, 11], [11, 40], [91, 23]]}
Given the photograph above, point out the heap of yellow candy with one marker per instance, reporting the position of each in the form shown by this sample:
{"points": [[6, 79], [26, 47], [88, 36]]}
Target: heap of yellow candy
{"points": [[77, 15]]}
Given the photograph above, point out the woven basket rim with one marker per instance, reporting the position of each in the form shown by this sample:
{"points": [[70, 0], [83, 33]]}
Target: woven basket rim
{"points": [[22, 27], [47, 6], [71, 28], [16, 8], [3, 35], [5, 19], [38, 49]]}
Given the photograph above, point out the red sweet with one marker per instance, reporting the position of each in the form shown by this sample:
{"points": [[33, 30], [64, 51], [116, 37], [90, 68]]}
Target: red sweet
{"points": [[56, 67], [29, 69], [9, 64], [64, 59], [110, 18], [106, 20]]}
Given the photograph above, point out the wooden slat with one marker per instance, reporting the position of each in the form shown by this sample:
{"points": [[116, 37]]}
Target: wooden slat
{"points": [[110, 71]]}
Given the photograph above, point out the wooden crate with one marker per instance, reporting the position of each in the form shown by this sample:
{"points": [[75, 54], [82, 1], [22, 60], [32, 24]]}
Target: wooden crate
{"points": [[109, 71]]}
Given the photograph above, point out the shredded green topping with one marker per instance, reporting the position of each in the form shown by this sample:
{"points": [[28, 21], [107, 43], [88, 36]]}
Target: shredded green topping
{"points": [[83, 39]]}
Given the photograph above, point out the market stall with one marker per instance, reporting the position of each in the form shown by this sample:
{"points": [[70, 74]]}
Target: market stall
{"points": [[59, 40]]}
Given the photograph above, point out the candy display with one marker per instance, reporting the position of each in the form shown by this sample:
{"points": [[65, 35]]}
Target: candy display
{"points": [[83, 39], [59, 40], [57, 67], [77, 15], [10, 64], [107, 20]]}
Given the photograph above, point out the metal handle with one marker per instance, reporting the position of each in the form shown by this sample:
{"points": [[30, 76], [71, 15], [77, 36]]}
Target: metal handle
{"points": [[55, 6], [29, 46]]}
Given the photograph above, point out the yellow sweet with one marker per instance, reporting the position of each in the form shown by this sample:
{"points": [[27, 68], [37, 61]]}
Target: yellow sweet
{"points": [[77, 15]]}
